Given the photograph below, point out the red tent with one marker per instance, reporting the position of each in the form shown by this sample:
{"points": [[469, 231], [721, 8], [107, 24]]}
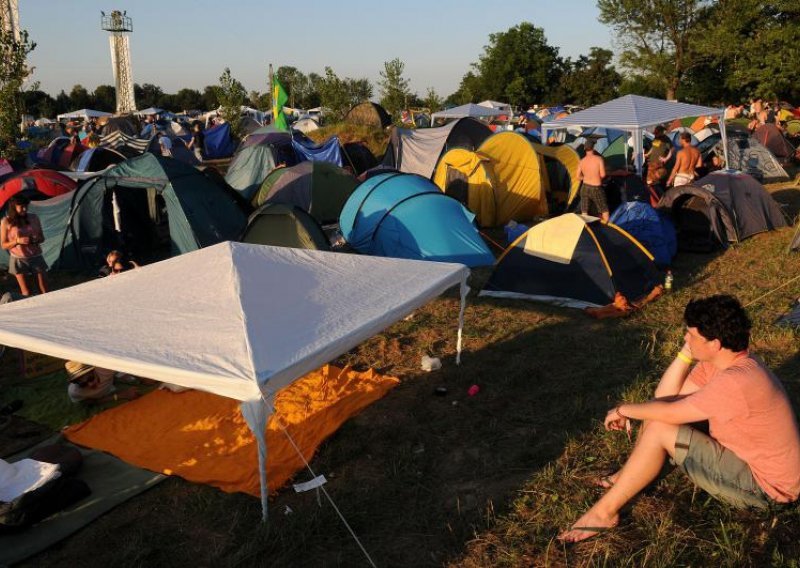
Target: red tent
{"points": [[36, 184]]}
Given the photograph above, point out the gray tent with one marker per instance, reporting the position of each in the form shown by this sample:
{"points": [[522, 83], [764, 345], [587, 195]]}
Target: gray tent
{"points": [[417, 151], [748, 155], [722, 207], [792, 317]]}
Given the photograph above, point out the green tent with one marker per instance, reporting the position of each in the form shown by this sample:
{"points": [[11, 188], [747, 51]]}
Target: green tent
{"points": [[282, 225], [151, 207], [319, 188], [614, 154]]}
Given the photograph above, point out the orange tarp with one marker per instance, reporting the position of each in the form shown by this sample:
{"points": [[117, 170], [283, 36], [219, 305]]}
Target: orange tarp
{"points": [[204, 438]]}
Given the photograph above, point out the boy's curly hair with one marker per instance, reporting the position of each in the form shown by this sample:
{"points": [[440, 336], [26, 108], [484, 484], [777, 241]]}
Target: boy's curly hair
{"points": [[720, 317]]}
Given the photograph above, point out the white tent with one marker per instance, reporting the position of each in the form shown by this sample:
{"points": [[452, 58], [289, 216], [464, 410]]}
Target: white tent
{"points": [[633, 114], [468, 110], [149, 111], [84, 113], [237, 320], [505, 107]]}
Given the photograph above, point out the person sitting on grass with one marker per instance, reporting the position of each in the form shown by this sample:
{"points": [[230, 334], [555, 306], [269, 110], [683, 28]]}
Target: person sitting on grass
{"points": [[751, 458], [93, 385]]}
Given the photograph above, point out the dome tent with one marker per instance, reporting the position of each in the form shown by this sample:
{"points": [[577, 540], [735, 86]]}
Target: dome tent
{"points": [[36, 185], [152, 207], [256, 157], [96, 159], [650, 228], [575, 261], [722, 207], [282, 225], [406, 216], [318, 188], [369, 114]]}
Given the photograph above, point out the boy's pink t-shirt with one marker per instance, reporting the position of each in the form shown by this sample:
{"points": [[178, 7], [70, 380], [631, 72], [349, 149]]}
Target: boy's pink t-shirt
{"points": [[750, 414]]}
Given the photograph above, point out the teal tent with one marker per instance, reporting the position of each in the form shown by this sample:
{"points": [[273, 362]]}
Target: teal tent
{"points": [[150, 207]]}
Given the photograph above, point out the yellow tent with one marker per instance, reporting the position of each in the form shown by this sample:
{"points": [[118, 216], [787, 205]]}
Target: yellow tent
{"points": [[520, 179], [467, 176], [569, 160]]}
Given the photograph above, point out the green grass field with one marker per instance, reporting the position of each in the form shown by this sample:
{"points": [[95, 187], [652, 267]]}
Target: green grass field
{"points": [[488, 480]]}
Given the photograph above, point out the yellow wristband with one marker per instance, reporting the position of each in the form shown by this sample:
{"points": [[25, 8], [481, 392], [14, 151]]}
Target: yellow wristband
{"points": [[685, 358]]}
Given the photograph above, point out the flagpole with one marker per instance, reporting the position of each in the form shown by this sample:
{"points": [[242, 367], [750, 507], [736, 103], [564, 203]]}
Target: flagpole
{"points": [[271, 95]]}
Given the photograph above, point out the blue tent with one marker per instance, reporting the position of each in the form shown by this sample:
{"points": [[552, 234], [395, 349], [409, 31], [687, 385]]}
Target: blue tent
{"points": [[328, 151], [218, 142], [407, 216], [650, 228]]}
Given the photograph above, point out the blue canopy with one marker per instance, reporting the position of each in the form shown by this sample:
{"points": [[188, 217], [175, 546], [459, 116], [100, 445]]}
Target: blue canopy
{"points": [[653, 230], [407, 216], [219, 142], [328, 151]]}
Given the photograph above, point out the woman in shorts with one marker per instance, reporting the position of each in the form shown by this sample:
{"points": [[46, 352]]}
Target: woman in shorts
{"points": [[21, 235]]}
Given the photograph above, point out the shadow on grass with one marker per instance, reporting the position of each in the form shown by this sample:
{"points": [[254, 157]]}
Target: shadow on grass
{"points": [[416, 475]]}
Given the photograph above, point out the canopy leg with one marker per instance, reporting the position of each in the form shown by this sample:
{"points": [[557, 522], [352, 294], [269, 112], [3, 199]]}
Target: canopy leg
{"points": [[256, 412]]}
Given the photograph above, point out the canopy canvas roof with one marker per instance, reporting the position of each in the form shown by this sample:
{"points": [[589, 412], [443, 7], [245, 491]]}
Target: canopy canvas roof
{"points": [[83, 113], [149, 111], [467, 110], [633, 113], [237, 320]]}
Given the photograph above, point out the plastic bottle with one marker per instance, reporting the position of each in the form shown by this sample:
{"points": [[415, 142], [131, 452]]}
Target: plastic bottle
{"points": [[668, 281]]}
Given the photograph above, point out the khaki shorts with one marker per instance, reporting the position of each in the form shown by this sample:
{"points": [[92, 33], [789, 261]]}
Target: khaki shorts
{"points": [[717, 470]]}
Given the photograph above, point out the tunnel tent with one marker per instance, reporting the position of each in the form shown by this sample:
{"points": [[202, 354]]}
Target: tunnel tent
{"points": [[574, 261]]}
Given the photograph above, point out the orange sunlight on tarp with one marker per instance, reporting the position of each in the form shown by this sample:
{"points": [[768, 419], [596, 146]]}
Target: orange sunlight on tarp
{"points": [[203, 437]]}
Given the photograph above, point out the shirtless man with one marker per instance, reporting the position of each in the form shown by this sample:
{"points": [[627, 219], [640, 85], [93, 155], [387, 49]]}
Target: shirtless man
{"points": [[591, 172], [751, 458], [689, 158]]}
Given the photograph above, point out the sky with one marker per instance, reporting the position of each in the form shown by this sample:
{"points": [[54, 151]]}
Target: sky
{"points": [[188, 43]]}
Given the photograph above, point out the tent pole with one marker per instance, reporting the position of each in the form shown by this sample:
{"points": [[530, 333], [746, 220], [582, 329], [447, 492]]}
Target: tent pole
{"points": [[256, 413], [724, 134], [464, 292]]}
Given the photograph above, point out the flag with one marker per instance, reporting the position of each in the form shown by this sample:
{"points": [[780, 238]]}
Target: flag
{"points": [[279, 98]]}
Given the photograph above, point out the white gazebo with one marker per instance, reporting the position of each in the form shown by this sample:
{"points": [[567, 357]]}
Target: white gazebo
{"points": [[634, 114], [84, 113]]}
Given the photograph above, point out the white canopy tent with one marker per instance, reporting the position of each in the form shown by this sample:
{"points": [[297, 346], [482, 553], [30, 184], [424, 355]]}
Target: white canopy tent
{"points": [[469, 110], [149, 111], [505, 107], [237, 320], [84, 113], [633, 114]]}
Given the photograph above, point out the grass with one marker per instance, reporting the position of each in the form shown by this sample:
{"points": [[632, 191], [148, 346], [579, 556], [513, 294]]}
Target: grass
{"points": [[488, 480]]}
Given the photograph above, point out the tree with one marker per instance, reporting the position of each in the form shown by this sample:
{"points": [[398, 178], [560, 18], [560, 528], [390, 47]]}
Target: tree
{"points": [[518, 66], [188, 99], [148, 95], [294, 82], [394, 87], [79, 97], [590, 80], [470, 90], [334, 95], [62, 103], [755, 46], [360, 90], [210, 98], [231, 95], [38, 103], [105, 98], [432, 101], [13, 72], [658, 36]]}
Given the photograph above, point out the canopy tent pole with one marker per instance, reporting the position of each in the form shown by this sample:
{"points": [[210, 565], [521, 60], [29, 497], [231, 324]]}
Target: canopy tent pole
{"points": [[256, 413], [724, 135], [638, 147], [464, 291]]}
